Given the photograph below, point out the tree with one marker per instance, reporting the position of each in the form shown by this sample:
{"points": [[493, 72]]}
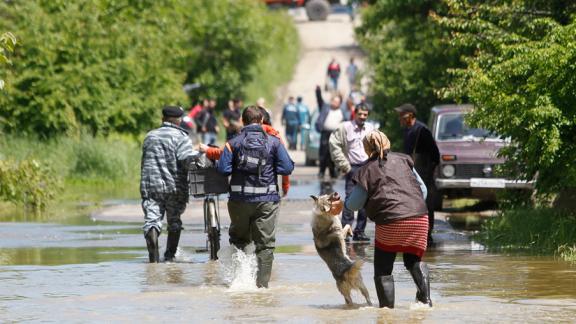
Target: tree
{"points": [[407, 55], [7, 44], [521, 78]]}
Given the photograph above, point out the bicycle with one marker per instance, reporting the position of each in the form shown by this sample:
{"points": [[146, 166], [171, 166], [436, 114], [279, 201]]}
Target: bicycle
{"points": [[208, 183], [212, 225]]}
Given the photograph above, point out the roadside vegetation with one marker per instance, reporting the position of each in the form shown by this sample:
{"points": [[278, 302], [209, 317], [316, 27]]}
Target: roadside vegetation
{"points": [[88, 80], [515, 62]]}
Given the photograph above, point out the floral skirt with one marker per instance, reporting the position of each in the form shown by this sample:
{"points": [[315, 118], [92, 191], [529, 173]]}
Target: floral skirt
{"points": [[408, 235]]}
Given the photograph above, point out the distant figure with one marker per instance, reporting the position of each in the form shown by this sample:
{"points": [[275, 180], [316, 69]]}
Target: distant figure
{"points": [[231, 118], [333, 74], [330, 117], [421, 146], [352, 73], [209, 124], [304, 113], [291, 120]]}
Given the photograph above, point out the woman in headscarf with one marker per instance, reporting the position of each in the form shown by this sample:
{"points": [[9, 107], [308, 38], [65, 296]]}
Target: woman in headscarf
{"points": [[393, 194]]}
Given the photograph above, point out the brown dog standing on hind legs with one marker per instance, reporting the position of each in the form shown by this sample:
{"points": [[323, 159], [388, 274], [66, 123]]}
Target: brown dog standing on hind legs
{"points": [[329, 241]]}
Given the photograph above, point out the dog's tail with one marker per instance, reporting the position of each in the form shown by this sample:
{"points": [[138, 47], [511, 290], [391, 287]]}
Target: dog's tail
{"points": [[354, 271]]}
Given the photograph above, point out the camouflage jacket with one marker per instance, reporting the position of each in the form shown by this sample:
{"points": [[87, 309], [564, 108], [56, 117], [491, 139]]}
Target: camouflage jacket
{"points": [[166, 154]]}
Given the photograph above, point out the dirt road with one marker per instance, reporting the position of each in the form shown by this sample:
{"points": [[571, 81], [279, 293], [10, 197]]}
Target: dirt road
{"points": [[320, 42]]}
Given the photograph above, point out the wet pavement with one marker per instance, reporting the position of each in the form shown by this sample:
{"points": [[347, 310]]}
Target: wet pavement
{"points": [[93, 268]]}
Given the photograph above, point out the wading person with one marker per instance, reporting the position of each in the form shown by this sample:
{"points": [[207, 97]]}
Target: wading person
{"points": [[421, 146], [254, 159], [291, 120], [166, 154], [348, 154], [393, 194]]}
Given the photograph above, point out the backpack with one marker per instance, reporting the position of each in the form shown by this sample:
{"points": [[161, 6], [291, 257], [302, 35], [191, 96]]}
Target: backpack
{"points": [[253, 152]]}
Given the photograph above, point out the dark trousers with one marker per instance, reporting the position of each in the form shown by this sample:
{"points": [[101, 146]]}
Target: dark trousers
{"points": [[431, 188], [292, 136], [384, 262], [348, 215], [324, 155]]}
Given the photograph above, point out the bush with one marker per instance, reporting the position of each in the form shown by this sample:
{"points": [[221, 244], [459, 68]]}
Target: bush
{"points": [[539, 230], [29, 183]]}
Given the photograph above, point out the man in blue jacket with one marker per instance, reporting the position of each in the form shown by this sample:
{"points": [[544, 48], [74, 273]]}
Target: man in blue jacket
{"points": [[254, 159]]}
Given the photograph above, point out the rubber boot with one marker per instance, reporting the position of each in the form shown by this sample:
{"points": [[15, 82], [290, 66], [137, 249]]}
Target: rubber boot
{"points": [[171, 245], [152, 244], [265, 259], [421, 276], [385, 290]]}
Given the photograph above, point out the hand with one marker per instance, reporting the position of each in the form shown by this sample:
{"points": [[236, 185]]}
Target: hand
{"points": [[202, 148]]}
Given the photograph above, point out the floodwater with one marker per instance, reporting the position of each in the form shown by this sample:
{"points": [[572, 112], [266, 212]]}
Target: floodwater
{"points": [[81, 270]]}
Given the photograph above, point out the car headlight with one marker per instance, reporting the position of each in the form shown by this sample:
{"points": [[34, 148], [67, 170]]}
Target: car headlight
{"points": [[448, 170]]}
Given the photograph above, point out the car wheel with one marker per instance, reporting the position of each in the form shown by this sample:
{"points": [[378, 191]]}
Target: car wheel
{"points": [[317, 10]]}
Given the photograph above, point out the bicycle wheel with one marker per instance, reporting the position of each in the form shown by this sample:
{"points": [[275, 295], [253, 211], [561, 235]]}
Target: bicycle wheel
{"points": [[213, 229]]}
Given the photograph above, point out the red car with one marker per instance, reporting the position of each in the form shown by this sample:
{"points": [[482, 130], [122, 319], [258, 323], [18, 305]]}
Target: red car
{"points": [[468, 157]]}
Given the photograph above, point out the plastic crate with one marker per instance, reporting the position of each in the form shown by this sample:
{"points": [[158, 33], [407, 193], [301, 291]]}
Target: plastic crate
{"points": [[207, 181]]}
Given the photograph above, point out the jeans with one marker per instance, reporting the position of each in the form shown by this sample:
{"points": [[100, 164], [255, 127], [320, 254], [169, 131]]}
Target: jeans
{"points": [[209, 138], [292, 136], [348, 215]]}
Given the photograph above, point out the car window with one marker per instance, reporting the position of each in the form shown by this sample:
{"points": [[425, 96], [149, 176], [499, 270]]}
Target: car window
{"points": [[451, 126]]}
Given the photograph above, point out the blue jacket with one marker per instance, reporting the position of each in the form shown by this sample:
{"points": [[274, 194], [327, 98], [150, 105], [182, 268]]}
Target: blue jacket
{"points": [[250, 187]]}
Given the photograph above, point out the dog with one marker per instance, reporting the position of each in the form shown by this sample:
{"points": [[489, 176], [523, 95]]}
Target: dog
{"points": [[329, 242]]}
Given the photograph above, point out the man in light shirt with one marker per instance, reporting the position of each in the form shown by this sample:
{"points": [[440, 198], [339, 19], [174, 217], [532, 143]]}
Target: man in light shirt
{"points": [[347, 152], [330, 117]]}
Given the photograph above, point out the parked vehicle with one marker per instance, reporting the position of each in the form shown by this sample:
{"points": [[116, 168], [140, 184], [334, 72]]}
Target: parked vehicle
{"points": [[315, 9], [468, 157], [312, 143]]}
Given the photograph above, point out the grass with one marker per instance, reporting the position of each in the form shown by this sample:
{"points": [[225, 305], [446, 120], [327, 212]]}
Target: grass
{"points": [[540, 231], [90, 170]]}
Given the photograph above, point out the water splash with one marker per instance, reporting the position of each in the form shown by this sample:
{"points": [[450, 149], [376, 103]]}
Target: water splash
{"points": [[239, 268]]}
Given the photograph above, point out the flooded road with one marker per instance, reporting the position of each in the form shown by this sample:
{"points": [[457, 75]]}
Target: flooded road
{"points": [[87, 270]]}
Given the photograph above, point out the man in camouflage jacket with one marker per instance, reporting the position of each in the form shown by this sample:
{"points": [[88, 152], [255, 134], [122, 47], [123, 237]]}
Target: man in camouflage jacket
{"points": [[166, 154]]}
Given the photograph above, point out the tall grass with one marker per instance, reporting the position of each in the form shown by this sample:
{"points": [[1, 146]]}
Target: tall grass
{"points": [[541, 230], [87, 166]]}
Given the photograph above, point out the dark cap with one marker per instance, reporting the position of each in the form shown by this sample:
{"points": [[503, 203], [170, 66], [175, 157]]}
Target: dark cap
{"points": [[172, 111], [406, 108], [299, 98]]}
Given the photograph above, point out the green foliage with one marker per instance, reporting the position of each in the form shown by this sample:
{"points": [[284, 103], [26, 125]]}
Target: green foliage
{"points": [[28, 182], [109, 65], [536, 230], [407, 55], [7, 44], [522, 80]]}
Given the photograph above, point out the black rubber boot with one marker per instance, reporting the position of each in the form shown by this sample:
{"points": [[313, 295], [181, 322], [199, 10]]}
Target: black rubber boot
{"points": [[421, 276], [152, 244], [171, 245], [385, 290], [265, 259]]}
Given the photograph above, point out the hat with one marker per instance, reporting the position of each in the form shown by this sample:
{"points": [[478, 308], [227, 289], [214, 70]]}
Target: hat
{"points": [[406, 108], [172, 111]]}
